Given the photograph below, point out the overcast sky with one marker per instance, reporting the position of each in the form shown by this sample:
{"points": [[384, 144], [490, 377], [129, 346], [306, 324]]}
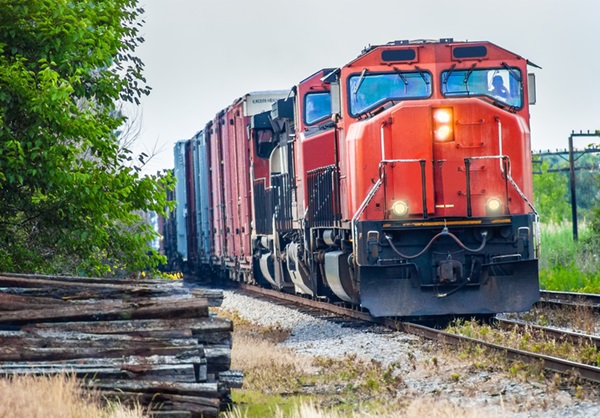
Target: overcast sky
{"points": [[201, 55]]}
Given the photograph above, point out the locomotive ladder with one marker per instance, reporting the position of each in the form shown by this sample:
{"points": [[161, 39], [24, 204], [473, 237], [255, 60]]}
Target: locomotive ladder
{"points": [[323, 209]]}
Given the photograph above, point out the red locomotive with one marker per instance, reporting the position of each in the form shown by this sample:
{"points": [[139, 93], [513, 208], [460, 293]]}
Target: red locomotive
{"points": [[400, 182]]}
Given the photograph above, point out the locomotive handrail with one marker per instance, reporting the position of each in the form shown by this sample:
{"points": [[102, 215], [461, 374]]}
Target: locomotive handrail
{"points": [[376, 186], [374, 189], [507, 173]]}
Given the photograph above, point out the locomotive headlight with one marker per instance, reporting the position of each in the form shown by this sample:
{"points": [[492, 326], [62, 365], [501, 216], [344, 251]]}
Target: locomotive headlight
{"points": [[442, 115], [443, 133], [443, 120], [400, 208], [493, 206]]}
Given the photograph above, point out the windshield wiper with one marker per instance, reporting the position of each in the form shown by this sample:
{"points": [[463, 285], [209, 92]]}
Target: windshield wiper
{"points": [[468, 74], [449, 73], [512, 71], [422, 74], [360, 80], [402, 76]]}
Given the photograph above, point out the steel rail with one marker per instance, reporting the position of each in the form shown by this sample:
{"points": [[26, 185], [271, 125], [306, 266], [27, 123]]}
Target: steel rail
{"points": [[554, 364], [558, 334], [589, 298], [588, 372], [573, 299]]}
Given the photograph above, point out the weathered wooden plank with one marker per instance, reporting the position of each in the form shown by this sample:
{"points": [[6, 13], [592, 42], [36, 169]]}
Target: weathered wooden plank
{"points": [[33, 292], [77, 339], [170, 414], [165, 402], [200, 390], [162, 372], [160, 334], [218, 359], [81, 279], [80, 293], [187, 308], [207, 330], [197, 326], [231, 379], [214, 296], [181, 357], [106, 287], [213, 338], [53, 283], [11, 302], [69, 353]]}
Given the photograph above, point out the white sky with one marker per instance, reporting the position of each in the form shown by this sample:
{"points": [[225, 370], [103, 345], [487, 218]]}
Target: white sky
{"points": [[201, 55]]}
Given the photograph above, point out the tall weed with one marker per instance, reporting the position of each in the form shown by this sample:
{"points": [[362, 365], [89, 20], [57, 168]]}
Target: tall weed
{"points": [[57, 396], [566, 265], [569, 279]]}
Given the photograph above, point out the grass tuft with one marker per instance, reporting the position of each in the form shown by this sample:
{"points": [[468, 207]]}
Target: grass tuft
{"points": [[57, 396], [531, 340]]}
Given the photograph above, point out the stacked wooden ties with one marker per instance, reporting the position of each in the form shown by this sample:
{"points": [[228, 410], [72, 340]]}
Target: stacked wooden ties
{"points": [[151, 342]]}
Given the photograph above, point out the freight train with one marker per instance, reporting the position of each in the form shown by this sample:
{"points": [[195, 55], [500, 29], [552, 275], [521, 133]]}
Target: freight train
{"points": [[400, 182]]}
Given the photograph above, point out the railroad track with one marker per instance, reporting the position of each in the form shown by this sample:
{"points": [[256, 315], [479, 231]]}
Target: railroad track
{"points": [[551, 298], [587, 372], [557, 334]]}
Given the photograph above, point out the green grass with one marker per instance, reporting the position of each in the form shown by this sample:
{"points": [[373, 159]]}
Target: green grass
{"points": [[252, 403], [569, 279], [566, 265]]}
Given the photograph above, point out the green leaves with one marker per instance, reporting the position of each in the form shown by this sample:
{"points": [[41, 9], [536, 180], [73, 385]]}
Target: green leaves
{"points": [[550, 191], [68, 202]]}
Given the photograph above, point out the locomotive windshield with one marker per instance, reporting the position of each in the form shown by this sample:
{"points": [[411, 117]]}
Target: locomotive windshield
{"points": [[367, 91], [501, 84], [317, 107]]}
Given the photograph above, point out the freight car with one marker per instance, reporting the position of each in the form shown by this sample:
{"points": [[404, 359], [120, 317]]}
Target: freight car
{"points": [[400, 182]]}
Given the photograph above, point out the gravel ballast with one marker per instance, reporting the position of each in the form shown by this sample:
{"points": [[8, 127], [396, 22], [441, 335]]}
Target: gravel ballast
{"points": [[494, 393]]}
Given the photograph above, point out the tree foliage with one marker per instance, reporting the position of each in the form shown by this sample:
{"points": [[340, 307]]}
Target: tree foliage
{"points": [[595, 223], [69, 199], [552, 193], [551, 196]]}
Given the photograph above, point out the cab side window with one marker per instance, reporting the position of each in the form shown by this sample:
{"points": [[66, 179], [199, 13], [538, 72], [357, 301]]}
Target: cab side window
{"points": [[317, 107]]}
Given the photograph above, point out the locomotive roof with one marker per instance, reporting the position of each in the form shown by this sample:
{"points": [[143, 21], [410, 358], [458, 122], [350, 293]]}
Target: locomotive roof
{"points": [[427, 42], [322, 72]]}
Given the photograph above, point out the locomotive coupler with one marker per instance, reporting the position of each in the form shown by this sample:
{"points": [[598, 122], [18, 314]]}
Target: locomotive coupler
{"points": [[449, 271]]}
